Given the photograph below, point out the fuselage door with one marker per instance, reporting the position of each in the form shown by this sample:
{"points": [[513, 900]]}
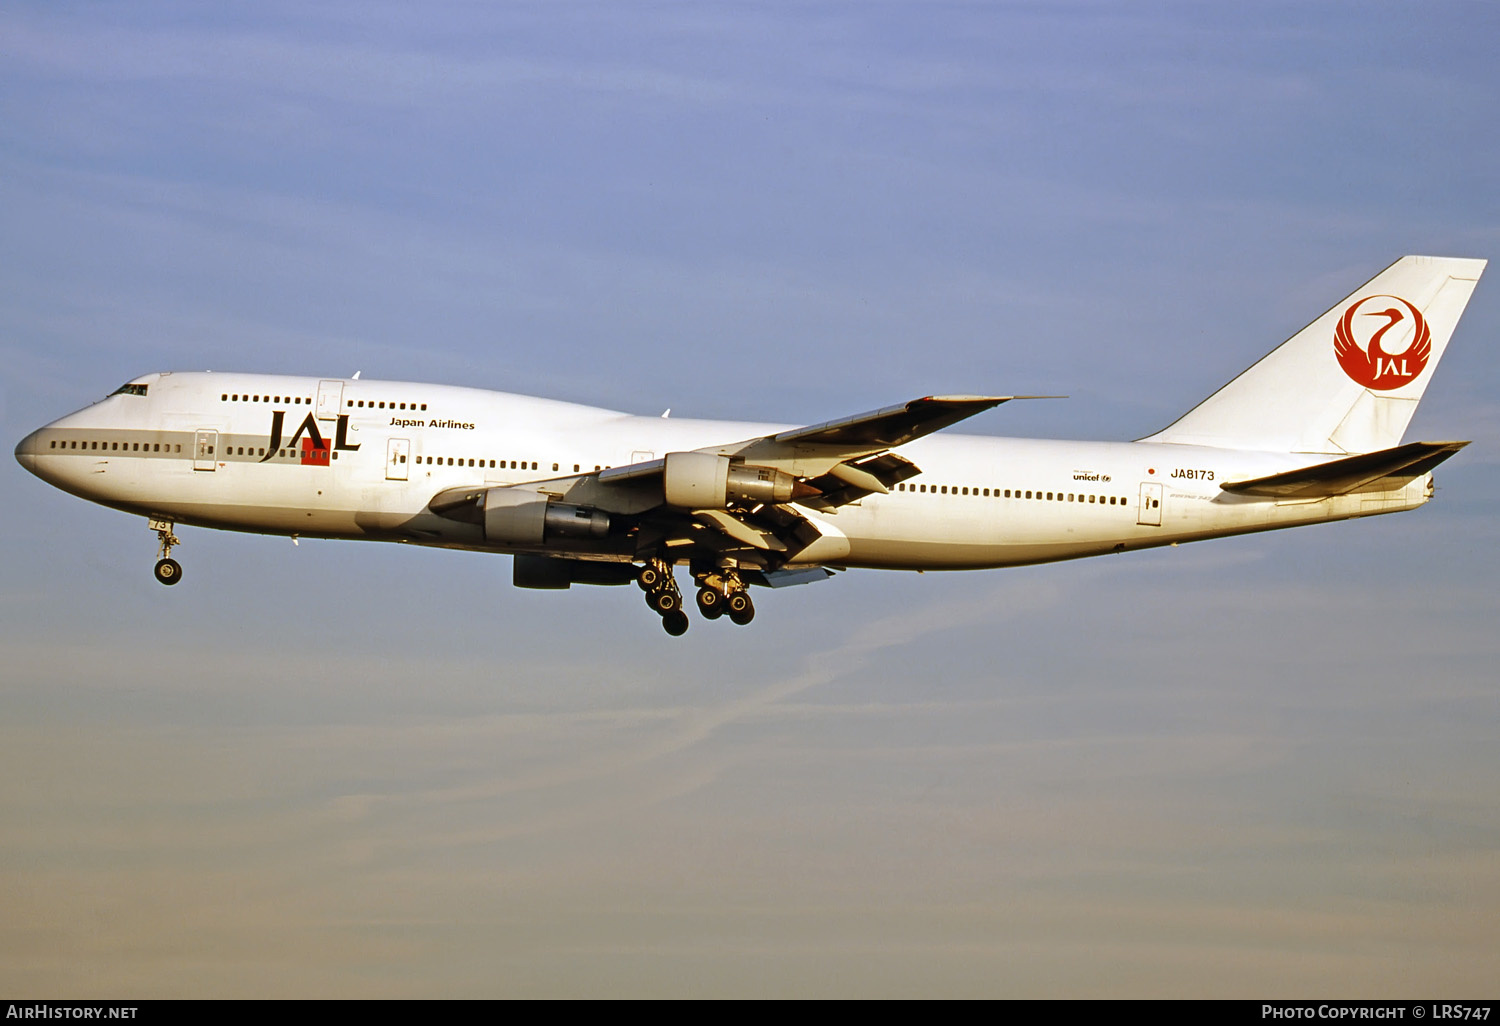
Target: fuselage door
{"points": [[397, 451], [205, 448], [330, 399], [1150, 508]]}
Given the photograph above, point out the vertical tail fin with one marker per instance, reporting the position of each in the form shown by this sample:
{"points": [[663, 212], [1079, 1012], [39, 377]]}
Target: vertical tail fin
{"points": [[1350, 381]]}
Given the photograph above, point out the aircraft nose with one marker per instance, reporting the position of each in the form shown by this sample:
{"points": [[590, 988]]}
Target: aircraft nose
{"points": [[26, 451]]}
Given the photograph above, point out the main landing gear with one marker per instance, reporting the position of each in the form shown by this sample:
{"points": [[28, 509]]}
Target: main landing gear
{"points": [[720, 591], [168, 570], [655, 579]]}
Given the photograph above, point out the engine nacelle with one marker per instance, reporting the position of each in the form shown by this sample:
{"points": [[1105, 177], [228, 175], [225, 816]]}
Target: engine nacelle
{"points": [[551, 573], [704, 480], [516, 517]]}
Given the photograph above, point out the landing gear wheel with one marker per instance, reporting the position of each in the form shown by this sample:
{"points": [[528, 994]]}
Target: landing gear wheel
{"points": [[664, 602], [710, 603], [649, 577], [741, 609], [168, 570], [675, 623]]}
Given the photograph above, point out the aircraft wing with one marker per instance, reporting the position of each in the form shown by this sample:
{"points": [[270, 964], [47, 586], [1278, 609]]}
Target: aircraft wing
{"points": [[891, 426], [842, 448], [825, 466], [747, 498]]}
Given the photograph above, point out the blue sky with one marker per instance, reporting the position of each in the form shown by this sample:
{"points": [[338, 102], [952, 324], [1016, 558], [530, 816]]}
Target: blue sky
{"points": [[1257, 766]]}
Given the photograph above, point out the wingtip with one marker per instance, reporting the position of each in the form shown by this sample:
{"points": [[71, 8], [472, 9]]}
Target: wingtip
{"points": [[983, 398]]}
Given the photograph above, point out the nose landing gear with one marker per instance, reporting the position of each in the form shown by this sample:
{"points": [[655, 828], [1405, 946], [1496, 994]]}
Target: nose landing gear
{"points": [[168, 570]]}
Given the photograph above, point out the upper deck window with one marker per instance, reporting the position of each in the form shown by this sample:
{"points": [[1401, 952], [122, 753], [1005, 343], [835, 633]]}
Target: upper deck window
{"points": [[130, 390]]}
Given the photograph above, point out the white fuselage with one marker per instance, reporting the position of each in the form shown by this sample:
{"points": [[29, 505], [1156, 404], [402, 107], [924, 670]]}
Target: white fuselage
{"points": [[361, 459]]}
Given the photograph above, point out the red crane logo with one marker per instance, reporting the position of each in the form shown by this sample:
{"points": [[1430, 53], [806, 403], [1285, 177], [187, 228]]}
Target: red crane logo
{"points": [[1382, 342]]}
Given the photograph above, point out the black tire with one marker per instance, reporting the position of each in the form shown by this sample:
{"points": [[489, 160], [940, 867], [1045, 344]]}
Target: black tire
{"points": [[665, 602], [710, 603], [648, 577], [675, 623], [741, 609], [168, 571]]}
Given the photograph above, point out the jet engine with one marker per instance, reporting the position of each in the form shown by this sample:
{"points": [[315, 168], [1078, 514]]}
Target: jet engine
{"points": [[550, 573], [704, 480], [516, 517]]}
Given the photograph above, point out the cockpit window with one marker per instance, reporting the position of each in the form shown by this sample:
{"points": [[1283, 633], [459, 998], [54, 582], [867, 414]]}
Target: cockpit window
{"points": [[130, 390]]}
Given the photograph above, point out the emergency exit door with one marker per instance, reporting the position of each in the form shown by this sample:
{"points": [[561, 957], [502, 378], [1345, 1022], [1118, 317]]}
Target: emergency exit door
{"points": [[205, 449], [1150, 509], [397, 452]]}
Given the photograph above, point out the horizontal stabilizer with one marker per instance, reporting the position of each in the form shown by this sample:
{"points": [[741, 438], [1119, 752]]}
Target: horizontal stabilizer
{"points": [[1349, 475]]}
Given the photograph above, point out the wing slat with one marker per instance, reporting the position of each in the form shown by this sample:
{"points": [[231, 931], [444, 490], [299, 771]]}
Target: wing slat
{"points": [[891, 426]]}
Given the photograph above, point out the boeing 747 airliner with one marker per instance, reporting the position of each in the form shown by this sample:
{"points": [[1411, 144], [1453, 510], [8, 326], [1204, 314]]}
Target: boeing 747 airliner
{"points": [[581, 495]]}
